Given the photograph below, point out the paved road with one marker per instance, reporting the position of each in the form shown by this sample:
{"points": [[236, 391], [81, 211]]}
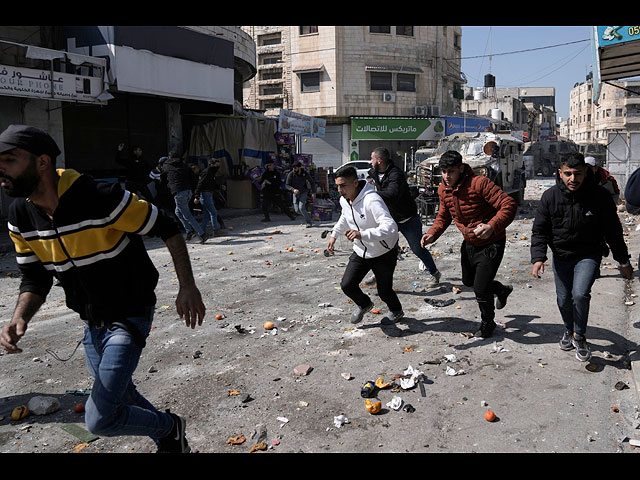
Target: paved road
{"points": [[545, 399]]}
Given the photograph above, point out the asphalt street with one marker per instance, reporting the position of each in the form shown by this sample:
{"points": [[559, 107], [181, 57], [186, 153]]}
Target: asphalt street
{"points": [[296, 388]]}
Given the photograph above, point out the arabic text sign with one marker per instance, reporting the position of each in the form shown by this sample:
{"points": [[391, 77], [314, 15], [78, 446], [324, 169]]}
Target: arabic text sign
{"points": [[397, 128], [292, 122], [33, 83]]}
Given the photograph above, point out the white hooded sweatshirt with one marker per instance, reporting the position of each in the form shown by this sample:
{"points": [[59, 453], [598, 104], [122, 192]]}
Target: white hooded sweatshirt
{"points": [[369, 215]]}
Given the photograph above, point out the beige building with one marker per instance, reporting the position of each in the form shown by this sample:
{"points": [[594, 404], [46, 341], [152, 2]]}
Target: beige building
{"points": [[618, 110], [340, 72]]}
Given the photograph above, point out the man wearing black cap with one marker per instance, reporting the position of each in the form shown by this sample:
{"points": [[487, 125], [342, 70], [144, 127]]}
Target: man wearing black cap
{"points": [[87, 234]]}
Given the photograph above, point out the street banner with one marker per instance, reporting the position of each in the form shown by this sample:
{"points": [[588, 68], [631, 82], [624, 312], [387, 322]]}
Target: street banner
{"points": [[293, 122]]}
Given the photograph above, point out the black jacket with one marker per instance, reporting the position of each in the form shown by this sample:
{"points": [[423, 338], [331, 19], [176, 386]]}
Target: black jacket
{"points": [[394, 190], [179, 175], [275, 181], [93, 245], [206, 181], [137, 169], [577, 224]]}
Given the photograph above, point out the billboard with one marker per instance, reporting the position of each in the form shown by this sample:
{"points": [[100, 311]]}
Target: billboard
{"points": [[396, 128]]}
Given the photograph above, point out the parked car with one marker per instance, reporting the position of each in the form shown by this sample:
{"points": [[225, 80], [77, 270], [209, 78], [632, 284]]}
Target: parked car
{"points": [[361, 166]]}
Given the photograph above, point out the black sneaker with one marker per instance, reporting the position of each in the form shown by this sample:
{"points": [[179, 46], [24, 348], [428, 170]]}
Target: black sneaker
{"points": [[566, 342], [501, 300], [190, 235], [203, 238], [358, 314], [176, 441], [486, 329], [392, 317], [582, 349]]}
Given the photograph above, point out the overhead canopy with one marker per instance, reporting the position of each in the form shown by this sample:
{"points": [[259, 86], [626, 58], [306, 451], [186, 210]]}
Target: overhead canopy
{"points": [[616, 54]]}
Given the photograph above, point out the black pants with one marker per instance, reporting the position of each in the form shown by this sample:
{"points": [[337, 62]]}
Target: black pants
{"points": [[479, 268], [269, 198], [383, 268]]}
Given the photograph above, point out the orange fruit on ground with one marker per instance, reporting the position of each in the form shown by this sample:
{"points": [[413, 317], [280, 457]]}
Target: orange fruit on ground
{"points": [[489, 416], [268, 325], [219, 317]]}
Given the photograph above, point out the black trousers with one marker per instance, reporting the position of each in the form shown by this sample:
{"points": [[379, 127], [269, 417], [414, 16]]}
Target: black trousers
{"points": [[269, 198], [479, 268], [383, 268]]}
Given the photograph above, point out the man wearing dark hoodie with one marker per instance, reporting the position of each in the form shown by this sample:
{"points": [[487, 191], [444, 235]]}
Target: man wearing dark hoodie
{"points": [[179, 179], [391, 184], [482, 212], [576, 218]]}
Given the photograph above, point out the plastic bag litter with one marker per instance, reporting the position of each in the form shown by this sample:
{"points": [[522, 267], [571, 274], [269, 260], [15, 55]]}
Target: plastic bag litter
{"points": [[414, 375], [451, 358], [453, 372], [340, 420], [395, 403]]}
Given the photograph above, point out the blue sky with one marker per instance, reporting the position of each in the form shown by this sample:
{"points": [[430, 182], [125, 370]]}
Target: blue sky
{"points": [[560, 67]]}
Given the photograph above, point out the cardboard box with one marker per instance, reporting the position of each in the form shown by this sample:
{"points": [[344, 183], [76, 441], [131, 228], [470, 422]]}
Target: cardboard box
{"points": [[241, 194]]}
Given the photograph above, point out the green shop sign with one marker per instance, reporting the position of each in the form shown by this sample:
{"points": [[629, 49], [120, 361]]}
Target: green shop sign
{"points": [[397, 128]]}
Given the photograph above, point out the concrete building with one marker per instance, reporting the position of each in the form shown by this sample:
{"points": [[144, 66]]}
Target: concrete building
{"points": [[341, 72], [93, 87]]}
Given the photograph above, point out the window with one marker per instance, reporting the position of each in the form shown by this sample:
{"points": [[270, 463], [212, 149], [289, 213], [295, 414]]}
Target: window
{"points": [[270, 39], [380, 30], [271, 58], [271, 89], [407, 31], [618, 112], [308, 30], [310, 82], [271, 74], [406, 82], [381, 81]]}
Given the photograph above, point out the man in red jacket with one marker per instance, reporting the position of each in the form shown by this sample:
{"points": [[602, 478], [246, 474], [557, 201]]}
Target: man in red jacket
{"points": [[482, 212]]}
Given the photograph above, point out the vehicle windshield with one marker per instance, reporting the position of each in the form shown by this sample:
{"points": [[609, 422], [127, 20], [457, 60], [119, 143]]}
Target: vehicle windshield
{"points": [[465, 147]]}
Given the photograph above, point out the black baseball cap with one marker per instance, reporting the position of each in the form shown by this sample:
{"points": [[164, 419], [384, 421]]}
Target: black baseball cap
{"points": [[31, 139]]}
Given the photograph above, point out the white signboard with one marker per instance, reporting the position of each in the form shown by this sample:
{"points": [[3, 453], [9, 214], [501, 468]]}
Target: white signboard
{"points": [[293, 122], [33, 83]]}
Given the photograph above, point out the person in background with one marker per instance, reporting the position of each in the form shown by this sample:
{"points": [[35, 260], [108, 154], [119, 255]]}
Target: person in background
{"points": [[179, 179], [604, 179], [137, 170], [300, 183], [203, 195], [271, 182]]}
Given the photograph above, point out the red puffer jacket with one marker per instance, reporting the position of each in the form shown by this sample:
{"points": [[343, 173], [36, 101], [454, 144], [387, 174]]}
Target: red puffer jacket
{"points": [[473, 200]]}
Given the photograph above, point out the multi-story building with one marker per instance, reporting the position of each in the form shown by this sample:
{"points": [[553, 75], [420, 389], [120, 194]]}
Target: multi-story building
{"points": [[618, 110], [341, 72]]}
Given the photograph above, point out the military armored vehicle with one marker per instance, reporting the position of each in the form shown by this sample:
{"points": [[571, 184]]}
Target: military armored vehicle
{"points": [[498, 156]]}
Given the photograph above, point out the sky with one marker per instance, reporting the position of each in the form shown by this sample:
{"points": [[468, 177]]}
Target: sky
{"points": [[560, 67]]}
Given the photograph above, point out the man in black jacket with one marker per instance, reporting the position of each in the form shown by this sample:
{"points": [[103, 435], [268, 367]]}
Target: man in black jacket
{"points": [[137, 171], [391, 185], [577, 219], [271, 182], [88, 235], [203, 195], [179, 179]]}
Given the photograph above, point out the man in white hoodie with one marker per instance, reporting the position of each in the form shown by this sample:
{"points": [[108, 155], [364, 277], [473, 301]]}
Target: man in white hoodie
{"points": [[366, 221]]}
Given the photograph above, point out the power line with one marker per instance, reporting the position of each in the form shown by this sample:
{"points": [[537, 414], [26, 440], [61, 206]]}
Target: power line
{"points": [[521, 51]]}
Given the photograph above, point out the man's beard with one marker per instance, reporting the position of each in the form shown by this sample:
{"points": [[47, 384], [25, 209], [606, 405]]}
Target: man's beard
{"points": [[24, 184]]}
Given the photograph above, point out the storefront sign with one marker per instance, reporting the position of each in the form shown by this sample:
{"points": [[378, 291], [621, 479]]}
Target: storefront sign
{"points": [[397, 128], [293, 122], [462, 124], [33, 83]]}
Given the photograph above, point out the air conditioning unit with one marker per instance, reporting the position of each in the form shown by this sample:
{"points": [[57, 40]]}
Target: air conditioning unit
{"points": [[388, 97], [434, 110], [420, 111]]}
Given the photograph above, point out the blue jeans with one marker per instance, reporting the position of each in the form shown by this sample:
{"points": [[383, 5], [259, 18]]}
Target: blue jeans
{"points": [[115, 407], [412, 231], [210, 212], [184, 214], [300, 205], [574, 279]]}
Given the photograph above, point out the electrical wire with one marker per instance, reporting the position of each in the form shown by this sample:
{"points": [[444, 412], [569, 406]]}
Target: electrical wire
{"points": [[522, 51]]}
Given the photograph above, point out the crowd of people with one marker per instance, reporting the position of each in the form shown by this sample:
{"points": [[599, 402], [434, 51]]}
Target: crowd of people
{"points": [[576, 219]]}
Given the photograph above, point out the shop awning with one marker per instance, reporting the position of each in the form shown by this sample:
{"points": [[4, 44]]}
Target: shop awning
{"points": [[309, 69], [616, 52]]}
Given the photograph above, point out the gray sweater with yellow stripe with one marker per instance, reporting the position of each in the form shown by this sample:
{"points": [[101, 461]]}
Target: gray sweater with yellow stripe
{"points": [[92, 245]]}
